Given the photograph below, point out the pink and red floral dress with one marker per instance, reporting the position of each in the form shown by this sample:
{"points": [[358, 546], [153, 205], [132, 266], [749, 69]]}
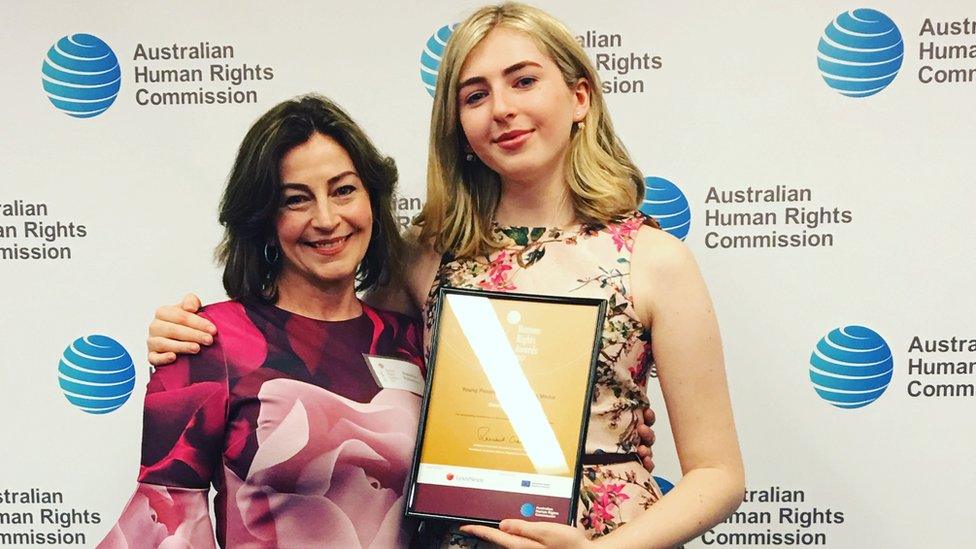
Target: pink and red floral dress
{"points": [[283, 418], [584, 261]]}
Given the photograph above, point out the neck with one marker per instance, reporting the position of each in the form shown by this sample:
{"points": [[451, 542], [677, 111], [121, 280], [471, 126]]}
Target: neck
{"points": [[321, 301], [537, 202]]}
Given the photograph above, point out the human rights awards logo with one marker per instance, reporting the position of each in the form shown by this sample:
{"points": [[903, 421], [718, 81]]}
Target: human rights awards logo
{"points": [[81, 75], [430, 58], [665, 202], [851, 367], [860, 52], [96, 374]]}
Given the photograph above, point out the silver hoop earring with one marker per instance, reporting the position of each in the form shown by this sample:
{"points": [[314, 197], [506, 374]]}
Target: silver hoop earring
{"points": [[270, 249]]}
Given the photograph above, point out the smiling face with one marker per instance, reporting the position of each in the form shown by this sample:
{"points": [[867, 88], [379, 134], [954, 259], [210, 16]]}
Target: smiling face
{"points": [[515, 108], [324, 223]]}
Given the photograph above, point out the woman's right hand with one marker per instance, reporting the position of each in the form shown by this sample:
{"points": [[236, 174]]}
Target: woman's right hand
{"points": [[177, 330]]}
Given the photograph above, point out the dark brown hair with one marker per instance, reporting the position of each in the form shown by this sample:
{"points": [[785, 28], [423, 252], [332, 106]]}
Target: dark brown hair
{"points": [[250, 203]]}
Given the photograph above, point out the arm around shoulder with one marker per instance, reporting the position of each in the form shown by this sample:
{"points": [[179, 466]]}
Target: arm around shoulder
{"points": [[177, 330]]}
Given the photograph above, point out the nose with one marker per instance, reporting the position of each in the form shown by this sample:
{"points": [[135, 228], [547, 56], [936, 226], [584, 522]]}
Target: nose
{"points": [[502, 105], [325, 216]]}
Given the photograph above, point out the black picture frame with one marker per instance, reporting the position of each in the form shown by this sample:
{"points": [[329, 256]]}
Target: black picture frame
{"points": [[412, 481]]}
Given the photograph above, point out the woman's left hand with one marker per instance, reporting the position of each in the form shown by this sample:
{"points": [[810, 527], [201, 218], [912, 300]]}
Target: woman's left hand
{"points": [[520, 534]]}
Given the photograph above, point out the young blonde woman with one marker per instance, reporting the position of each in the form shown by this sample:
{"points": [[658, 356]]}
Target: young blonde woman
{"points": [[530, 190]]}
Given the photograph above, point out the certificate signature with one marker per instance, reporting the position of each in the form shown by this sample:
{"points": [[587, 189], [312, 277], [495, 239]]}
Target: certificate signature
{"points": [[484, 434]]}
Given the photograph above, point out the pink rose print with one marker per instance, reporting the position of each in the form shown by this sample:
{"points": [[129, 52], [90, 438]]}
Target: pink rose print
{"points": [[609, 496], [497, 278], [168, 518], [623, 233], [326, 468]]}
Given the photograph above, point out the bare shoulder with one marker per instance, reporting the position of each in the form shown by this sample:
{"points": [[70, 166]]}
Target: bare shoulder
{"points": [[405, 292], [421, 266], [662, 268], [658, 254], [391, 296]]}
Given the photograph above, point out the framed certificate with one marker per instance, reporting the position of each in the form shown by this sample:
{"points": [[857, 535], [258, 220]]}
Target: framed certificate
{"points": [[506, 407]]}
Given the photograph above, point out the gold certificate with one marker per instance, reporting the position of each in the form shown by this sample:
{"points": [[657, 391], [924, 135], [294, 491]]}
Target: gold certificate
{"points": [[506, 407]]}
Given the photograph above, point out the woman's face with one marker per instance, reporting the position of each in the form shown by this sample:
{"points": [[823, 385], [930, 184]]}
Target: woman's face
{"points": [[324, 222], [515, 108]]}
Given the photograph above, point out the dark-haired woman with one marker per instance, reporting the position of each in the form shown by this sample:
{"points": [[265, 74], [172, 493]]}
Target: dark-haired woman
{"points": [[281, 414]]}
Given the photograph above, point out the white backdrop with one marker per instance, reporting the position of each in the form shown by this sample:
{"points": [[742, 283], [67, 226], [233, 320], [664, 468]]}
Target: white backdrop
{"points": [[731, 98]]}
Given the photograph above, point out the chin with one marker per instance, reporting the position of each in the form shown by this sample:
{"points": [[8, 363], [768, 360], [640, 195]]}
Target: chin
{"points": [[512, 167], [525, 175], [335, 278]]}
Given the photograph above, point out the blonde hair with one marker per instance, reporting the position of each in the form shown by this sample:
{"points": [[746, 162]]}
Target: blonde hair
{"points": [[462, 196]]}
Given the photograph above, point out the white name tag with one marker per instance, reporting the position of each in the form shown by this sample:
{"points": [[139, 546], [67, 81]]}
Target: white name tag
{"points": [[394, 373]]}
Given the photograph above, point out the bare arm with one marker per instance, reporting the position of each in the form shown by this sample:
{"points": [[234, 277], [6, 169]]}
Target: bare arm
{"points": [[407, 291], [391, 297], [671, 297], [420, 270]]}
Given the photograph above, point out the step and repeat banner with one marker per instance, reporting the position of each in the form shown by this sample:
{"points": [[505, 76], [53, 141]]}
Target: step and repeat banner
{"points": [[816, 156]]}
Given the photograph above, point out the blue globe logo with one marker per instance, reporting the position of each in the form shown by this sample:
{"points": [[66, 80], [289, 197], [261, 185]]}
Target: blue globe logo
{"points": [[664, 484], [851, 367], [81, 75], [665, 202], [860, 52], [430, 59], [527, 510], [96, 374]]}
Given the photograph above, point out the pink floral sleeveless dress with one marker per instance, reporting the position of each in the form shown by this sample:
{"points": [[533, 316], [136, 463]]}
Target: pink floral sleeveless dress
{"points": [[581, 261]]}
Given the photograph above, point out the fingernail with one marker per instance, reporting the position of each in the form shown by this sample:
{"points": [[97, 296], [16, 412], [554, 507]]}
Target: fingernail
{"points": [[208, 339]]}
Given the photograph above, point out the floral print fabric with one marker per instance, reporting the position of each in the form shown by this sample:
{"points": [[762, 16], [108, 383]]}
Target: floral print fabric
{"points": [[585, 261], [282, 416]]}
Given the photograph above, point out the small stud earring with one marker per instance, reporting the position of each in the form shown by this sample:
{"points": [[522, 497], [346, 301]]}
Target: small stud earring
{"points": [[469, 157]]}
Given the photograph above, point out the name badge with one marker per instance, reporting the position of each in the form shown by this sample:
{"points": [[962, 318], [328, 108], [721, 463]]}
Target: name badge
{"points": [[394, 373]]}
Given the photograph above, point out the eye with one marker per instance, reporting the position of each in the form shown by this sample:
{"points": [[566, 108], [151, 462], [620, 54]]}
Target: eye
{"points": [[345, 190], [474, 97], [293, 200], [525, 81]]}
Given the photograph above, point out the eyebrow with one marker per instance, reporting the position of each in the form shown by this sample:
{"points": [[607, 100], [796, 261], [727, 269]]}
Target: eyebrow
{"points": [[333, 179], [513, 68], [342, 175]]}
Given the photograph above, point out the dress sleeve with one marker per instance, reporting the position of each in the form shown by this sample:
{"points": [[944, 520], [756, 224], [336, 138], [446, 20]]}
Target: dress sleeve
{"points": [[184, 419], [157, 516]]}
